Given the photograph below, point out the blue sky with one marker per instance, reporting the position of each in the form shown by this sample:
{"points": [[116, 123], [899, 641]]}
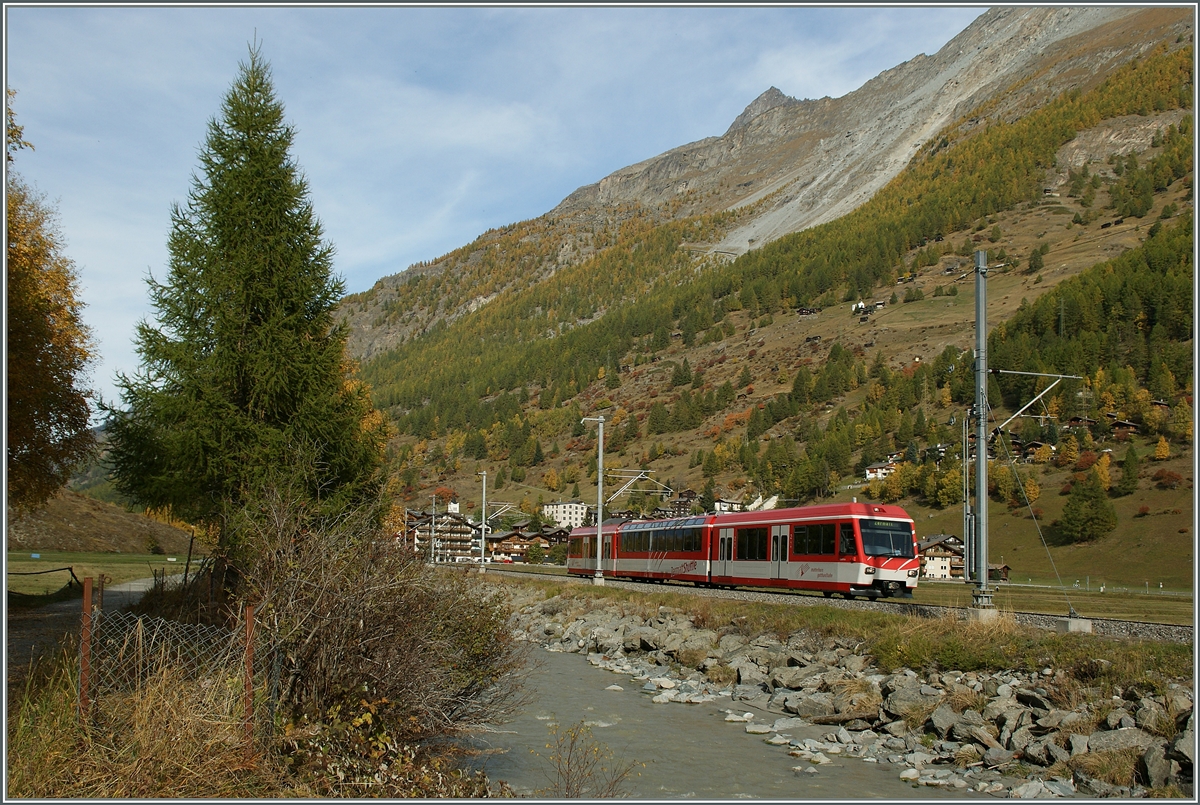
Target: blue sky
{"points": [[417, 128]]}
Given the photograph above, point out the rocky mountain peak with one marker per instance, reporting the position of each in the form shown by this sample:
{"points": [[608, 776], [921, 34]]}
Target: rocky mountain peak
{"points": [[769, 100]]}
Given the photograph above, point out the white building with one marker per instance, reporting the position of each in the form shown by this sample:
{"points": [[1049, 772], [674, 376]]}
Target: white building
{"points": [[570, 514]]}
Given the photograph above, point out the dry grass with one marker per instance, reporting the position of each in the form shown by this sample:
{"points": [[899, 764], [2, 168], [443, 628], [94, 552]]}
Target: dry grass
{"points": [[1117, 767], [963, 698], [172, 738], [853, 694]]}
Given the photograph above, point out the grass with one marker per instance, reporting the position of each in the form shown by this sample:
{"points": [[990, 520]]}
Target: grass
{"points": [[117, 568], [1154, 607], [896, 641]]}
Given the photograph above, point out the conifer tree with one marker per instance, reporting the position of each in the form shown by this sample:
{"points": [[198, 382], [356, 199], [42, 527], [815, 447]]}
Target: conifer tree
{"points": [[244, 370], [1088, 514]]}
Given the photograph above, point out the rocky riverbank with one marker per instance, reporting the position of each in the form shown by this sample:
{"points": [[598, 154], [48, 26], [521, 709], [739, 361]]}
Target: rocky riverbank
{"points": [[1008, 733]]}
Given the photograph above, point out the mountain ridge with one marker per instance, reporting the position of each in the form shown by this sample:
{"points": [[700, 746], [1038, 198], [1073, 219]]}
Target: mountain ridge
{"points": [[783, 165]]}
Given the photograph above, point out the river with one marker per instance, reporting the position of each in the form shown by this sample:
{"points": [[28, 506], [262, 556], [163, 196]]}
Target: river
{"points": [[689, 750]]}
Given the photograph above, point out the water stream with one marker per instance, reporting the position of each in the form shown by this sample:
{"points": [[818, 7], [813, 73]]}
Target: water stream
{"points": [[689, 750]]}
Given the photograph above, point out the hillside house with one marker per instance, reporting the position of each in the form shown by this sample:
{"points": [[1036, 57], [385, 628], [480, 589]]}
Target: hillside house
{"points": [[722, 506], [441, 537], [880, 470], [941, 557], [567, 514]]}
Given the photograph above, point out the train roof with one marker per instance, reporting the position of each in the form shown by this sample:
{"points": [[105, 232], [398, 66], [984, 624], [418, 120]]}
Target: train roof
{"points": [[825, 510]]}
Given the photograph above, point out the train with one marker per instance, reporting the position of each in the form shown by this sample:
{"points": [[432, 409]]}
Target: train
{"points": [[848, 549]]}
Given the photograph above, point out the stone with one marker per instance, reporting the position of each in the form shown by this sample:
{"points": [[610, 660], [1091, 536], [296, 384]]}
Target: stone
{"points": [[778, 740], [1031, 698], [896, 728], [854, 663], [815, 704], [1059, 787], [843, 736], [1020, 739], [758, 729], [614, 687], [1057, 754], [1030, 790], [910, 775], [783, 724], [919, 759], [942, 719], [908, 699], [1158, 767], [664, 697], [994, 757], [997, 707], [1078, 744], [1124, 738], [792, 676]]}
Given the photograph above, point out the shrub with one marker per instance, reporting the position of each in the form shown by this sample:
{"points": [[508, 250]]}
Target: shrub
{"points": [[1143, 511], [1166, 479]]}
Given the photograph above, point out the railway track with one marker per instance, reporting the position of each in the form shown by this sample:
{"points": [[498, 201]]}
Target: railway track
{"points": [[1101, 626]]}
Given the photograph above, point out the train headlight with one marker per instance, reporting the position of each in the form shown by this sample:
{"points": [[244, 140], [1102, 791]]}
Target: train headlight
{"points": [[912, 574], [870, 571]]}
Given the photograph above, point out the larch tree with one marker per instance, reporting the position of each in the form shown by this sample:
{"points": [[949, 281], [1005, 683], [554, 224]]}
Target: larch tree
{"points": [[244, 373], [49, 347]]}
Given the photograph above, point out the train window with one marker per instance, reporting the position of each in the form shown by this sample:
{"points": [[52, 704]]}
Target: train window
{"points": [[846, 545], [828, 539], [800, 539], [752, 543], [574, 547], [887, 538]]}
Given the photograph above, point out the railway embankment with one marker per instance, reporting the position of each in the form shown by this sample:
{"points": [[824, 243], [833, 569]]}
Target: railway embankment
{"points": [[1021, 733]]}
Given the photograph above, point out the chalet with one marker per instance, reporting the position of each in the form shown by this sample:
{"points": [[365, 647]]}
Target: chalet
{"points": [[1123, 428], [941, 557], [1029, 448], [722, 506], [998, 572], [1080, 422], [880, 470]]}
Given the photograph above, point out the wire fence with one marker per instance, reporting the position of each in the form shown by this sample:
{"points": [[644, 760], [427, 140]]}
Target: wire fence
{"points": [[233, 671]]}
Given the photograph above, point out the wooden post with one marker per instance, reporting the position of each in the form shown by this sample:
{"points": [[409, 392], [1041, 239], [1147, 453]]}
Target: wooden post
{"points": [[100, 594], [85, 649], [249, 700], [188, 565]]}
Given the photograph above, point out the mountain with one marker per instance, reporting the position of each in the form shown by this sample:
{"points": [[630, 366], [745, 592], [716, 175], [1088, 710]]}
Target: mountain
{"points": [[783, 166]]}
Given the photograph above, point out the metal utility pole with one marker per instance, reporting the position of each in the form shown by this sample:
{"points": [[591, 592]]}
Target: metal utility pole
{"points": [[599, 577], [982, 595]]}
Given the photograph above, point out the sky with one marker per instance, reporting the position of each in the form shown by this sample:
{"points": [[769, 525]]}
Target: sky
{"points": [[417, 128]]}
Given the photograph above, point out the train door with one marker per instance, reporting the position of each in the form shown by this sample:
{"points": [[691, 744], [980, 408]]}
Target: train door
{"points": [[724, 552], [779, 551], [609, 553]]}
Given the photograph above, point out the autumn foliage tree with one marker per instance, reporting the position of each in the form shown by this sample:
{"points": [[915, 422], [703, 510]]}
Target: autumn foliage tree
{"points": [[49, 347], [244, 370]]}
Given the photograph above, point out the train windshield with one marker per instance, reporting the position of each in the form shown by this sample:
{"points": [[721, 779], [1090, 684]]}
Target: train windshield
{"points": [[886, 538]]}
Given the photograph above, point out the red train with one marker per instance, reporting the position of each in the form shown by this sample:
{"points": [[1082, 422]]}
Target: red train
{"points": [[847, 548]]}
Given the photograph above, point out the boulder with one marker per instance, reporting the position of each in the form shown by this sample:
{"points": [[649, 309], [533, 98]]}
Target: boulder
{"points": [[909, 699], [1123, 738], [942, 719], [1020, 738], [996, 756], [854, 663], [1031, 698], [809, 705], [1159, 770], [792, 676], [1078, 744]]}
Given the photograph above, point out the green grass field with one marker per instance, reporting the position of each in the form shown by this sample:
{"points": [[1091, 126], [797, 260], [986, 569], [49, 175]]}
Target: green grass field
{"points": [[1117, 604], [117, 567]]}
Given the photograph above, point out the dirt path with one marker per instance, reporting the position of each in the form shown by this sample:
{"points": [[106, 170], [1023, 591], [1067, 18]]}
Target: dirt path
{"points": [[34, 633]]}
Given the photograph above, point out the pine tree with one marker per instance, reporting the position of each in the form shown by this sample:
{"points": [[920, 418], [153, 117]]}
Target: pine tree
{"points": [[1088, 514], [244, 371], [1129, 473]]}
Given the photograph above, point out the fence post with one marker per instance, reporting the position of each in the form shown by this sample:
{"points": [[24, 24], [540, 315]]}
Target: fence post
{"points": [[249, 701], [85, 649], [100, 594]]}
